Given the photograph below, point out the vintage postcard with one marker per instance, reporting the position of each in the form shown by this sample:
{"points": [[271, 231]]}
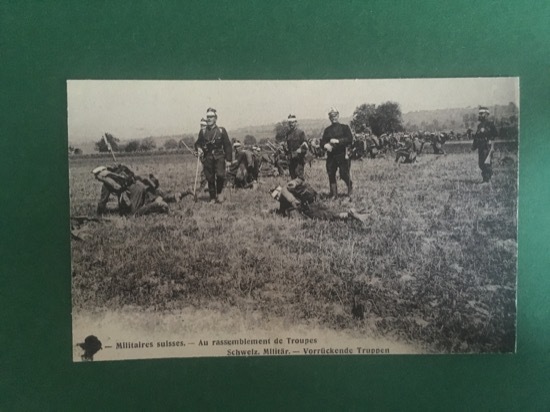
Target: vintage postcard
{"points": [[269, 218]]}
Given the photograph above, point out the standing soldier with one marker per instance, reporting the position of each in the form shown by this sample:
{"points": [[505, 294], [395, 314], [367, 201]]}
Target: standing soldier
{"points": [[336, 139], [204, 182], [214, 147], [483, 142], [296, 145]]}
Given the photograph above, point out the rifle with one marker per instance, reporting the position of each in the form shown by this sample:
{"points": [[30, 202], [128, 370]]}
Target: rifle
{"points": [[109, 146], [272, 146]]}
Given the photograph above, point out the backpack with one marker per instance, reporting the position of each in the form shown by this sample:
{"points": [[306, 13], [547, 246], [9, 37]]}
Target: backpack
{"points": [[303, 191]]}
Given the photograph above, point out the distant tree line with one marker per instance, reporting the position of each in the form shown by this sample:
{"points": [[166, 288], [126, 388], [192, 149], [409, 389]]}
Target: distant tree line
{"points": [[384, 118], [144, 145]]}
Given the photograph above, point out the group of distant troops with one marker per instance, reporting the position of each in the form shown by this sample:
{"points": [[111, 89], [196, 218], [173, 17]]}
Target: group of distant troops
{"points": [[224, 159], [405, 146]]}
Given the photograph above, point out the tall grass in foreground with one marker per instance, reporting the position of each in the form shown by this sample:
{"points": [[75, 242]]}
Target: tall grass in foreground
{"points": [[435, 264]]}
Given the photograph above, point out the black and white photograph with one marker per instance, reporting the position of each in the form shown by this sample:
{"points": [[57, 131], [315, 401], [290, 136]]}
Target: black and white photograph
{"points": [[293, 217]]}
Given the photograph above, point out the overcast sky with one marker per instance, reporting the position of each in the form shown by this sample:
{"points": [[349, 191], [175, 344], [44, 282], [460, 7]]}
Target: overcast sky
{"points": [[136, 109]]}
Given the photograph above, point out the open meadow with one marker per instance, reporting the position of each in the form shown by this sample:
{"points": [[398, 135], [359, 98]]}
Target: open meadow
{"points": [[434, 266]]}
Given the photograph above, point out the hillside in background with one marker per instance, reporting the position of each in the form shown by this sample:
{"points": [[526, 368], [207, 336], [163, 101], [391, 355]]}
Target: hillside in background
{"points": [[456, 119]]}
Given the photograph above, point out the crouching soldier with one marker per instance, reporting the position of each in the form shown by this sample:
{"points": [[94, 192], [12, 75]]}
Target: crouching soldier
{"points": [[406, 152], [245, 168], [116, 179], [298, 198], [135, 195]]}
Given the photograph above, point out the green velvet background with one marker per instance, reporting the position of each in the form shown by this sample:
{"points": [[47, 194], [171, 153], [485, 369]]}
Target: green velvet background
{"points": [[44, 43]]}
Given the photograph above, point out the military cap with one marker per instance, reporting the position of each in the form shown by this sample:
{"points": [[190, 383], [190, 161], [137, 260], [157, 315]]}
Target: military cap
{"points": [[333, 111], [98, 170], [203, 122], [484, 110], [292, 118], [211, 112]]}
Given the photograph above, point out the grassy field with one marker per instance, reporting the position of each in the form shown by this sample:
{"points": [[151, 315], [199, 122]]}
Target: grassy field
{"points": [[435, 264]]}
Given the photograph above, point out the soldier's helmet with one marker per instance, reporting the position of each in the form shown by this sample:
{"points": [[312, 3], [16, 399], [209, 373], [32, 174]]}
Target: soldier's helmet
{"points": [[276, 193], [484, 110]]}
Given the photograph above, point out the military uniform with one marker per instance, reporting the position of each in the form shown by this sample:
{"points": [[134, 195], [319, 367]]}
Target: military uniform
{"points": [[437, 144], [296, 161], [116, 179], [337, 158], [485, 134], [217, 149], [406, 152], [298, 198], [136, 195], [139, 200], [245, 168]]}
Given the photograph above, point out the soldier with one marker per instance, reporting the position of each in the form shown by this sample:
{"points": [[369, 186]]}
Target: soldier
{"points": [[336, 140], [298, 198], [373, 144], [136, 195], [438, 140], [406, 153], [115, 179], [418, 144], [203, 180], [245, 167], [280, 160], [483, 143], [258, 160], [296, 147], [214, 147]]}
